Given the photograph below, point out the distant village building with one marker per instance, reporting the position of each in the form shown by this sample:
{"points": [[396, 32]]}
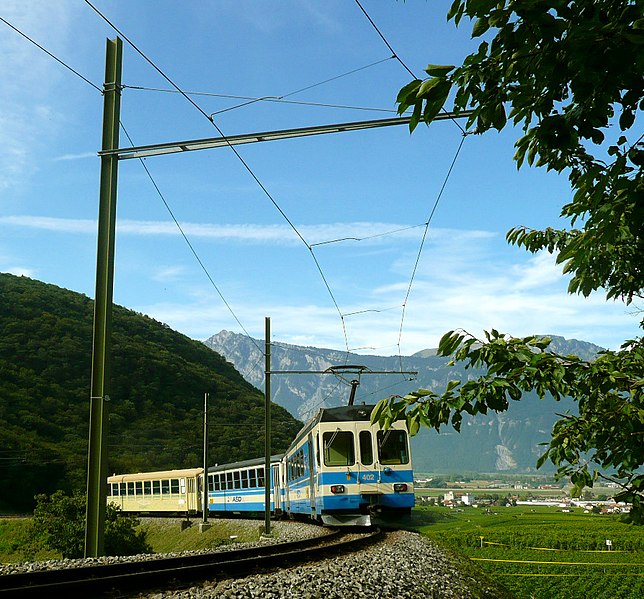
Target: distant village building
{"points": [[467, 499]]}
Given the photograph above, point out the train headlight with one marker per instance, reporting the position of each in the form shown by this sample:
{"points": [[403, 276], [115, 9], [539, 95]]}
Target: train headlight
{"points": [[400, 487], [337, 489]]}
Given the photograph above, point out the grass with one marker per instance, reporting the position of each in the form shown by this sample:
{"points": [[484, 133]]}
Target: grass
{"points": [[542, 553], [166, 535]]}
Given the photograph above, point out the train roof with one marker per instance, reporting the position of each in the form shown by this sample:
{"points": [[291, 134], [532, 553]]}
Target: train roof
{"points": [[345, 413], [245, 463], [360, 412], [161, 474]]}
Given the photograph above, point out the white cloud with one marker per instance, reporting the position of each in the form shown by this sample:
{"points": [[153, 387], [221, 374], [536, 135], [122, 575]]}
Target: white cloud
{"points": [[28, 76], [81, 156]]}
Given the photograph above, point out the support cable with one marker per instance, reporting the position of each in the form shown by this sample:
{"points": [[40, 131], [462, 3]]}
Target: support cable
{"points": [[251, 99], [185, 237], [396, 55], [297, 91], [422, 243]]}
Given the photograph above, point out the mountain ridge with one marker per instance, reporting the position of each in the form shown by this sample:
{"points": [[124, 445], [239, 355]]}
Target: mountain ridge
{"points": [[506, 442]]}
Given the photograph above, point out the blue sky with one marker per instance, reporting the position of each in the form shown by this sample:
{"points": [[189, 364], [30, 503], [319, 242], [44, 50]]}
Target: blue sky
{"points": [[378, 186]]}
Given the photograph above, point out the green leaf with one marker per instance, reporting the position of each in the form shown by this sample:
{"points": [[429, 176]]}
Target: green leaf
{"points": [[480, 27], [436, 70], [408, 90]]}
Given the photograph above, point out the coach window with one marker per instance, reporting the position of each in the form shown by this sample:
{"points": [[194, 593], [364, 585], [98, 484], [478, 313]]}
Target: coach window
{"points": [[366, 449], [229, 480], [392, 447], [236, 480], [165, 487], [156, 487], [260, 477], [222, 478], [244, 479], [338, 448], [122, 488], [147, 487], [138, 487], [174, 486], [253, 478]]}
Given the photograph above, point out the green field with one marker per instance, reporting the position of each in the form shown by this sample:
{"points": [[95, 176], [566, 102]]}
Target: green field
{"points": [[542, 553]]}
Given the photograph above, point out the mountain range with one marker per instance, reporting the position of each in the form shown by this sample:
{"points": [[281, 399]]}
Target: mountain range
{"points": [[506, 442]]}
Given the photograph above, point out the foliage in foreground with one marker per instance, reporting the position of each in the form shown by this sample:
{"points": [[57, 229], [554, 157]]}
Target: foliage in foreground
{"points": [[60, 521], [571, 74]]}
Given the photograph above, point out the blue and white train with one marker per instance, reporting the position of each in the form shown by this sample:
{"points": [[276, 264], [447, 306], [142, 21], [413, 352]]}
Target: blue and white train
{"points": [[339, 470]]}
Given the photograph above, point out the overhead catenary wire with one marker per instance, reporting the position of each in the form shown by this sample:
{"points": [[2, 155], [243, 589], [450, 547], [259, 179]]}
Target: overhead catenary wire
{"points": [[309, 246], [239, 157]]}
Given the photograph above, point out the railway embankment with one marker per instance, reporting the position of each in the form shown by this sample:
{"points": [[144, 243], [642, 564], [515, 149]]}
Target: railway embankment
{"points": [[404, 565]]}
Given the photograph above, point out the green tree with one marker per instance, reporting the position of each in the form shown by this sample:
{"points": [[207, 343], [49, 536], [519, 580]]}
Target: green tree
{"points": [[568, 73], [60, 521]]}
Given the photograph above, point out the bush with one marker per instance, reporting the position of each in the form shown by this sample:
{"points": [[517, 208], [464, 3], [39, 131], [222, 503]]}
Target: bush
{"points": [[60, 521]]}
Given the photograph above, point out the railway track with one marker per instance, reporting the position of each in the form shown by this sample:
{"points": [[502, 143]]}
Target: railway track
{"points": [[119, 579]]}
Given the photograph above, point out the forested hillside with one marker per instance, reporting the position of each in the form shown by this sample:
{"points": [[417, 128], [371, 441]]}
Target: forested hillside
{"points": [[159, 378]]}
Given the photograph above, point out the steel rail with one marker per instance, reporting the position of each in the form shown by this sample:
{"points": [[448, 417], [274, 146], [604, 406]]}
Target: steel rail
{"points": [[128, 577]]}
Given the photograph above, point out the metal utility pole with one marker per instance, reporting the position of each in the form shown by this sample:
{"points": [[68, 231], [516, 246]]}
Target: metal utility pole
{"points": [[267, 443], [204, 504], [101, 345]]}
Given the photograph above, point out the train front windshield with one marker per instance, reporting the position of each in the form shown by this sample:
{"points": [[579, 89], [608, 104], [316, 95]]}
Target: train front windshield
{"points": [[338, 448], [392, 447]]}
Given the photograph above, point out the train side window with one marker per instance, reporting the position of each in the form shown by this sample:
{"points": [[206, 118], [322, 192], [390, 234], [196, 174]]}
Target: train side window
{"points": [[244, 479], [165, 487], [147, 487], [392, 447], [130, 488], [109, 490], [236, 481], [122, 489], [366, 448], [156, 487], [174, 486], [253, 478], [222, 478], [260, 477], [338, 448], [317, 449], [138, 487], [211, 482], [229, 480]]}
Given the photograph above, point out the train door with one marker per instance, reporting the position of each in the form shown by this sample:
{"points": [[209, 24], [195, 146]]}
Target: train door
{"points": [[311, 467], [368, 470], [276, 488]]}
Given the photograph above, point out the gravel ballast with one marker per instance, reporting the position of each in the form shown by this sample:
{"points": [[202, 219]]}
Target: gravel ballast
{"points": [[404, 565]]}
